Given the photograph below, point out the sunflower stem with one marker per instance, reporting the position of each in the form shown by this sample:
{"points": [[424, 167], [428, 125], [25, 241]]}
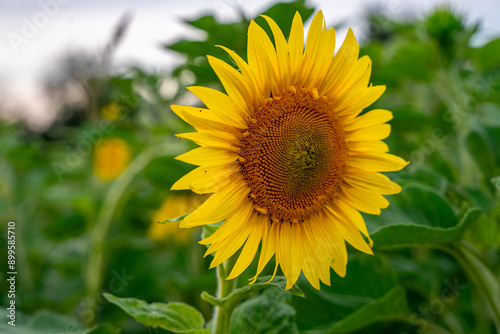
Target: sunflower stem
{"points": [[94, 270], [222, 317]]}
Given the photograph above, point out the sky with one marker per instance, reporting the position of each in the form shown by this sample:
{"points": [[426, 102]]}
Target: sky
{"points": [[35, 33]]}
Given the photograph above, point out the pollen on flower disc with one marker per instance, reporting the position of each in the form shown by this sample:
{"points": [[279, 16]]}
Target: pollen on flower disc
{"points": [[293, 155]]}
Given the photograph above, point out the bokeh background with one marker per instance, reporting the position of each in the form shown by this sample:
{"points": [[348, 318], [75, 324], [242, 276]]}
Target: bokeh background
{"points": [[87, 153]]}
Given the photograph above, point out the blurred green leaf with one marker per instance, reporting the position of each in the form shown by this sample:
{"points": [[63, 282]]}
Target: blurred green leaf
{"points": [[416, 205], [102, 329], [268, 313], [392, 305], [174, 316], [43, 322], [421, 216], [370, 284], [487, 56], [173, 220], [412, 61], [478, 147]]}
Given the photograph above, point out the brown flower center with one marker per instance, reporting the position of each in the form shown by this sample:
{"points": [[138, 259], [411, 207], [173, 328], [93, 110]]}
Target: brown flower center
{"points": [[293, 155]]}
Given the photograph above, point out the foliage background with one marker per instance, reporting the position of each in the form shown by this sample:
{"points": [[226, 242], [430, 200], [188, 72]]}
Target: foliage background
{"points": [[436, 267]]}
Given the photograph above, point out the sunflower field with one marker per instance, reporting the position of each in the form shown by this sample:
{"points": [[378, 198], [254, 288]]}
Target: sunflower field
{"points": [[282, 179]]}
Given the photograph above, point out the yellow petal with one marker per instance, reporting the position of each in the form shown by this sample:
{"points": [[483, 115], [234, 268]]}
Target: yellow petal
{"points": [[356, 77], [370, 133], [230, 226], [269, 244], [373, 117], [204, 180], [318, 54], [336, 244], [347, 231], [248, 76], [383, 162], [202, 119], [281, 52], [262, 58], [288, 254], [208, 156], [227, 247], [222, 106], [364, 201], [353, 102], [233, 83], [212, 138], [220, 205], [375, 146], [351, 215], [309, 262], [201, 123], [370, 181], [296, 47], [340, 66], [249, 250]]}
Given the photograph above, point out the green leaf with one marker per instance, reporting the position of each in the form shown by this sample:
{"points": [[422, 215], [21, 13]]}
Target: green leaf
{"points": [[412, 234], [412, 60], [102, 329], [415, 205], [173, 220], [174, 316], [496, 183], [487, 56], [231, 300], [392, 304], [268, 313], [479, 148], [352, 302], [43, 322]]}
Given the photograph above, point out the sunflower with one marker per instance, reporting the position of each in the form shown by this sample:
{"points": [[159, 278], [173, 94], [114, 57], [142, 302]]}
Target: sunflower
{"points": [[286, 155], [174, 206], [111, 157]]}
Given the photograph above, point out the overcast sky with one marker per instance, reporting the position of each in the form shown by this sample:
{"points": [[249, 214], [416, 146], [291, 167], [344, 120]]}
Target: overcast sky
{"points": [[35, 33]]}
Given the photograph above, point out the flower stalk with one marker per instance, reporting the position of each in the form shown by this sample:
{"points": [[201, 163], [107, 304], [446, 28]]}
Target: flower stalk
{"points": [[222, 316], [94, 273]]}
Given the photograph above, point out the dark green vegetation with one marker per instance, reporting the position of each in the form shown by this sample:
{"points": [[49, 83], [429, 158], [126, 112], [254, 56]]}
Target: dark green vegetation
{"points": [[82, 244]]}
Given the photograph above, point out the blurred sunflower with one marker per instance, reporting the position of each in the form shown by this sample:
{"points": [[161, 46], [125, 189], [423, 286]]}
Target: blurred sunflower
{"points": [[286, 155], [174, 206], [111, 157], [112, 111]]}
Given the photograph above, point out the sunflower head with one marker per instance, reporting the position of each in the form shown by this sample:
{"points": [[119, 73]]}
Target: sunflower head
{"points": [[112, 111], [111, 157], [287, 154]]}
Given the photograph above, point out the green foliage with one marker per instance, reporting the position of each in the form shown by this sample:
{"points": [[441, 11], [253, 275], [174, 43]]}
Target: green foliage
{"points": [[175, 317], [369, 293], [443, 229], [268, 313], [224, 34], [46, 322]]}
